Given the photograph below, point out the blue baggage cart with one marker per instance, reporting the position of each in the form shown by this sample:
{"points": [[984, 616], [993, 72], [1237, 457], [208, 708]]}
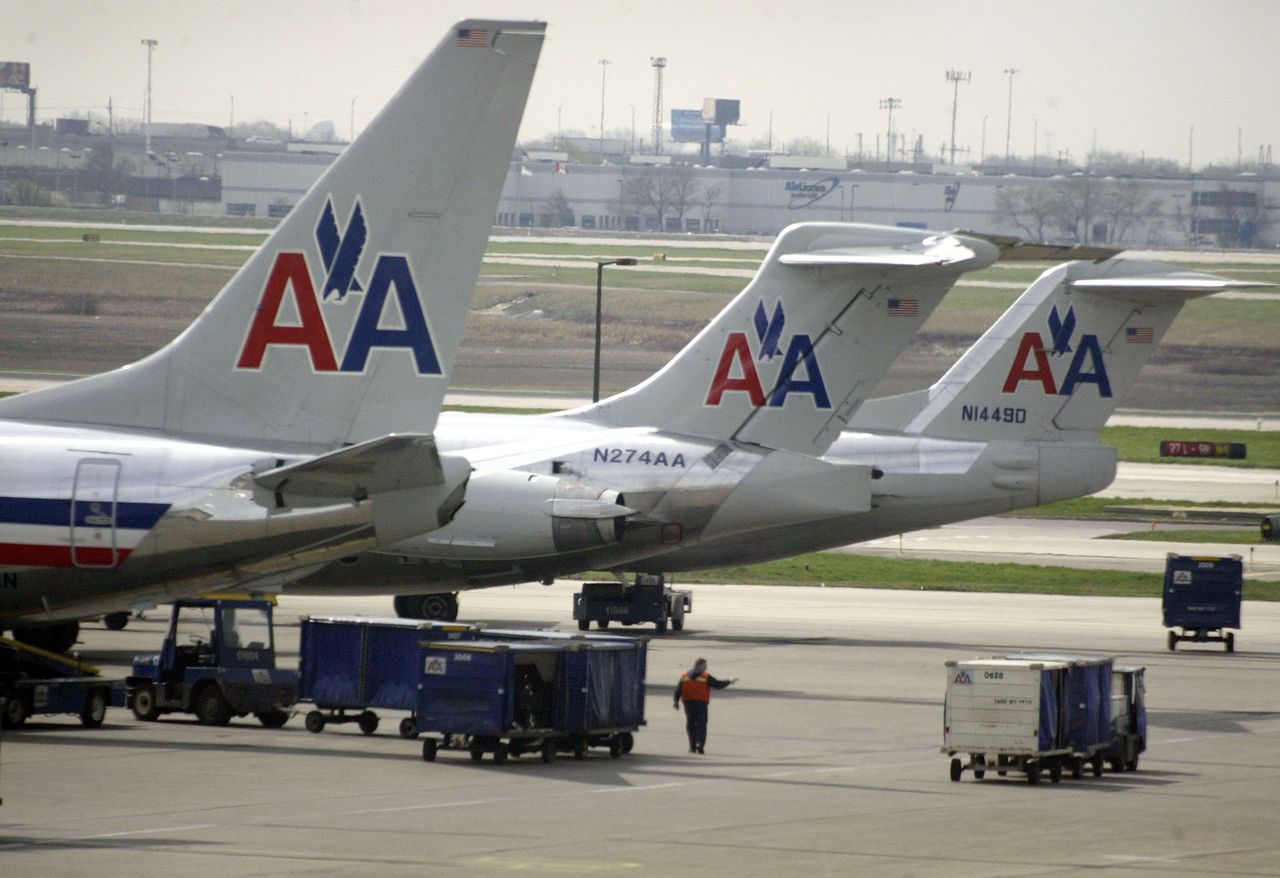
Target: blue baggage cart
{"points": [[1128, 718], [351, 664], [550, 695], [1202, 598], [1084, 706]]}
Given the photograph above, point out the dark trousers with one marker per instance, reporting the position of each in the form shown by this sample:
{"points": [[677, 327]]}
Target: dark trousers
{"points": [[695, 723]]}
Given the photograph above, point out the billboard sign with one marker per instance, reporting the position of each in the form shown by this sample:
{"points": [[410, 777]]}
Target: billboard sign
{"points": [[15, 74], [687, 127]]}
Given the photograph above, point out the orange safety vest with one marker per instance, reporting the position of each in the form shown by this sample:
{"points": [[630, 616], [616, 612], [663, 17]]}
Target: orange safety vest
{"points": [[694, 688]]}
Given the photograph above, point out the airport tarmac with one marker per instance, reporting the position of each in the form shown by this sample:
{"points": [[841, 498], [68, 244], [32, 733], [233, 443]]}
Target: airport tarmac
{"points": [[823, 760]]}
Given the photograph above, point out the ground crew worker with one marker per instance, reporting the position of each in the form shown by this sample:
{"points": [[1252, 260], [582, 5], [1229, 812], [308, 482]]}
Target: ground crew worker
{"points": [[694, 689]]}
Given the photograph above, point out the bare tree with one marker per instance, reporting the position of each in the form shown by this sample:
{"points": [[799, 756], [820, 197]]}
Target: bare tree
{"points": [[1029, 208], [557, 210], [684, 189], [1124, 205]]}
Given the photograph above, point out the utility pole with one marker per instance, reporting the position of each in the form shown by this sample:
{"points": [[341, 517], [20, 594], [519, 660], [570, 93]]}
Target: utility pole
{"points": [[604, 67], [890, 104], [1008, 127], [151, 47], [956, 77], [658, 64]]}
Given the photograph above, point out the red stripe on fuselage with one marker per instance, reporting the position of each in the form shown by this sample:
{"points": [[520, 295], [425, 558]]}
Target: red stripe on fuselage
{"points": [[27, 555]]}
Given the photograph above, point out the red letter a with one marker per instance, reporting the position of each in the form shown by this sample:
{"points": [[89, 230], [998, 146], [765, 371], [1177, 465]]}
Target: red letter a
{"points": [[736, 348], [290, 270]]}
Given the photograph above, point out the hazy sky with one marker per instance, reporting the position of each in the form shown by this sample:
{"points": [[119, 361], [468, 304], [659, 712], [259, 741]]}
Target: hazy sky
{"points": [[1130, 75]]}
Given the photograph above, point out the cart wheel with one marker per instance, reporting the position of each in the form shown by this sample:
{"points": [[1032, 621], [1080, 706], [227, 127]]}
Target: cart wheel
{"points": [[1132, 764], [580, 749], [1077, 768], [602, 624], [95, 709], [677, 622], [15, 712], [957, 769], [1097, 766], [584, 624], [615, 746], [661, 625], [1032, 768], [1231, 641], [549, 751], [979, 767], [628, 741], [429, 747], [368, 722], [1055, 771], [211, 707], [273, 719], [143, 703], [500, 753], [477, 754], [1173, 641], [115, 621], [315, 722], [408, 728]]}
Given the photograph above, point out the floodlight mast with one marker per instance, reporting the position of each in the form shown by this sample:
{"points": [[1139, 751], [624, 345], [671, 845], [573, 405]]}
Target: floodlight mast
{"points": [[956, 77], [658, 64]]}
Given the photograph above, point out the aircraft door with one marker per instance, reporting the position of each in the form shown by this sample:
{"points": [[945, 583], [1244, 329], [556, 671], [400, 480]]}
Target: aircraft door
{"points": [[93, 513]]}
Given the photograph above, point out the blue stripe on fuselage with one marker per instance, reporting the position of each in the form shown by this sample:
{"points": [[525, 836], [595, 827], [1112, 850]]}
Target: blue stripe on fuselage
{"points": [[57, 513]]}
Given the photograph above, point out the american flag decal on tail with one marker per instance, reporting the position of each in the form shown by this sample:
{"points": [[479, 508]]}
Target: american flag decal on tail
{"points": [[904, 307], [473, 36], [1138, 335]]}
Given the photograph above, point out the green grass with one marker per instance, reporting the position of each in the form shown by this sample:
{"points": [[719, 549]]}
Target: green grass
{"points": [[1096, 507], [1232, 536], [835, 570], [1142, 445]]}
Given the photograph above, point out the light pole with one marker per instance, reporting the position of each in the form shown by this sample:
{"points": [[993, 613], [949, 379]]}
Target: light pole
{"points": [[956, 77], [890, 104], [604, 68], [1008, 125], [151, 47], [600, 264]]}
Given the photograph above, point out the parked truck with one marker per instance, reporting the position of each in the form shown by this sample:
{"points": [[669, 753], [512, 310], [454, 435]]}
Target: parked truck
{"points": [[35, 681], [218, 661], [648, 599]]}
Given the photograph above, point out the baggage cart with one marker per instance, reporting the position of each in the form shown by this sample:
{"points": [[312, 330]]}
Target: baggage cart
{"points": [[34, 682], [648, 599], [549, 696], [1005, 715], [349, 665], [1084, 708], [1202, 598], [1128, 718]]}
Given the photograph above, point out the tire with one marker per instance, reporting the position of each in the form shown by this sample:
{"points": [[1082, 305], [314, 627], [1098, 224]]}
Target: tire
{"points": [[615, 747], [1077, 768], [368, 722], [580, 749], [957, 769], [273, 719], [15, 712], [59, 637], [979, 767], [408, 728], [429, 748], [602, 624], [628, 742], [1173, 641], [440, 607], [115, 621], [584, 624], [549, 752], [95, 709], [1055, 772], [211, 707], [315, 722], [677, 622], [500, 753], [1097, 766], [1231, 641], [661, 625], [143, 703], [1132, 764], [476, 755], [1032, 768]]}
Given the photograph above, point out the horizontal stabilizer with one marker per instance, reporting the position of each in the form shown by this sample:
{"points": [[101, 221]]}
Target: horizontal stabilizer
{"points": [[937, 250], [1017, 250], [388, 463], [1191, 282], [588, 510]]}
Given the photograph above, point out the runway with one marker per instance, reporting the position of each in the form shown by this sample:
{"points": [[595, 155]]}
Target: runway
{"points": [[823, 760]]}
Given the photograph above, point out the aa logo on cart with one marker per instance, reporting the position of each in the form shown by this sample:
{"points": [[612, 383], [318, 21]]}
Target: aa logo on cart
{"points": [[436, 665]]}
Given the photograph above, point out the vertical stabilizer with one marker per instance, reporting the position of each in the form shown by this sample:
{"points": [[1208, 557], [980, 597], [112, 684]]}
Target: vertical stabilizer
{"points": [[788, 361], [344, 326], [1057, 361]]}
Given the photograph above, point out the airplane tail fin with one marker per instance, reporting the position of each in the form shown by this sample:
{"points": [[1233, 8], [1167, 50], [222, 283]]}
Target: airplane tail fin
{"points": [[786, 363], [1056, 361], [344, 326]]}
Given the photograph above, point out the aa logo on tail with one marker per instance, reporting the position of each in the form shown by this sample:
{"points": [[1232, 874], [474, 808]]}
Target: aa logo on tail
{"points": [[799, 371], [1034, 362], [340, 253]]}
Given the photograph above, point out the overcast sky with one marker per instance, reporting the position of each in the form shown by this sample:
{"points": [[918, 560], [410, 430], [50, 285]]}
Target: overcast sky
{"points": [[1128, 75]]}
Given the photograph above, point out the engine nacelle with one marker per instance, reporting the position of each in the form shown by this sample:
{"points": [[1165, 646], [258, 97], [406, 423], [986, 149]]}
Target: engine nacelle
{"points": [[511, 515]]}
